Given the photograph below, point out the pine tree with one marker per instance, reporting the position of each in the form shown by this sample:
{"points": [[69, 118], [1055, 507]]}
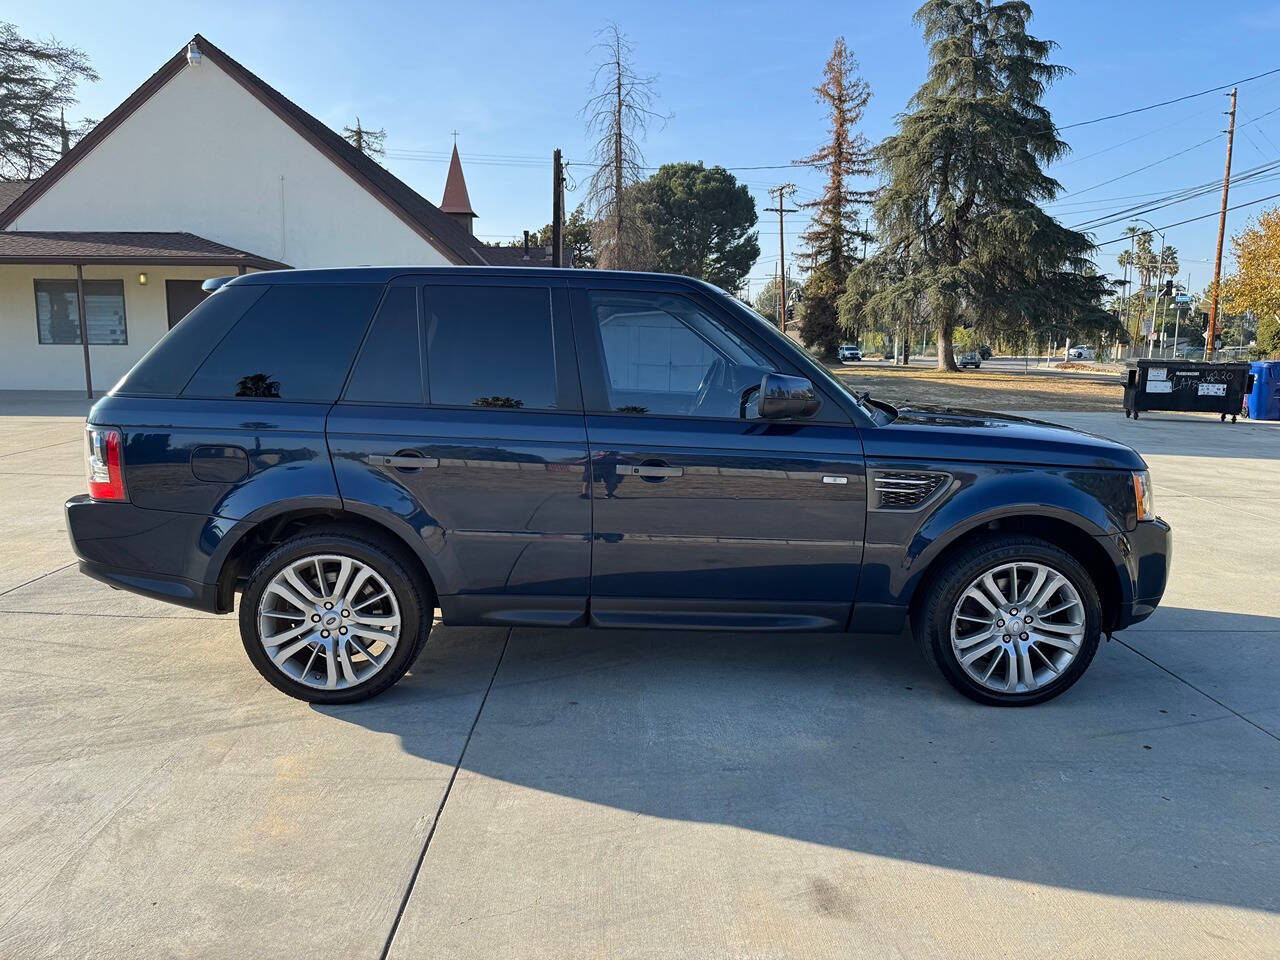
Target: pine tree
{"points": [[965, 180], [38, 80], [832, 238], [369, 142], [618, 115]]}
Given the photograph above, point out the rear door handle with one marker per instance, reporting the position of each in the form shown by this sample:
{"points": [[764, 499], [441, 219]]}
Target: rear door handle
{"points": [[401, 462], [627, 470]]}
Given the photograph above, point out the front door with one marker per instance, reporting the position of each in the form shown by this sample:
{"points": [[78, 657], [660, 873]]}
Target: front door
{"points": [[705, 515]]}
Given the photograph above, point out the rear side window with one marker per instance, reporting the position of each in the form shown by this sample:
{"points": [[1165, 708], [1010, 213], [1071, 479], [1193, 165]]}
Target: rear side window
{"points": [[490, 347], [389, 369], [295, 343], [167, 366]]}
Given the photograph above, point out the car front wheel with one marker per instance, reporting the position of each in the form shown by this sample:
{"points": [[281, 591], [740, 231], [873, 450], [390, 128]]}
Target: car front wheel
{"points": [[1012, 621], [333, 617]]}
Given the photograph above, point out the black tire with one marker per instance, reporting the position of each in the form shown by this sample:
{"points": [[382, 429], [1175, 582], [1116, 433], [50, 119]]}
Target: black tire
{"points": [[413, 595], [931, 622]]}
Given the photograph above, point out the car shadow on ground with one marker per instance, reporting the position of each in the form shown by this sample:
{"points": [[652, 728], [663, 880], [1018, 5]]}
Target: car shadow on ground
{"points": [[1120, 787]]}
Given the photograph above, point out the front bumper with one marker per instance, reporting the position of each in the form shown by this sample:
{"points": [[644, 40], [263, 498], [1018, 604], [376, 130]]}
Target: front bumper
{"points": [[142, 551], [1147, 552]]}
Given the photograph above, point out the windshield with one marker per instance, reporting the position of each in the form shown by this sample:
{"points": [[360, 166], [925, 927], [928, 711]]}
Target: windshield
{"points": [[817, 371]]}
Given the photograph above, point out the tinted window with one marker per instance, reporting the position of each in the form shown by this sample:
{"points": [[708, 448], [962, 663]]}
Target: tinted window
{"points": [[295, 343], [58, 311], [490, 346], [665, 355], [167, 367], [389, 369]]}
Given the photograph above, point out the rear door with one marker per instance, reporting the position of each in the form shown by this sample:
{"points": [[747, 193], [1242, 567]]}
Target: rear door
{"points": [[706, 515], [463, 418]]}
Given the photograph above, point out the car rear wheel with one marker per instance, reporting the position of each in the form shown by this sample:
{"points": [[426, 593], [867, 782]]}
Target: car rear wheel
{"points": [[1012, 621], [333, 618]]}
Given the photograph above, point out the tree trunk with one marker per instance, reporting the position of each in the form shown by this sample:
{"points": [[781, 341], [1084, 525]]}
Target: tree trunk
{"points": [[946, 349], [618, 227]]}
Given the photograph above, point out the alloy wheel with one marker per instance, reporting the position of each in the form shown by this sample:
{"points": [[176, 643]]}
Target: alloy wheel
{"points": [[1018, 627], [329, 621]]}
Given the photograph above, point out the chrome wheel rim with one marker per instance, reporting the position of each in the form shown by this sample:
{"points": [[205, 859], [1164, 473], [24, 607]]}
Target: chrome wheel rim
{"points": [[1018, 627], [329, 621]]}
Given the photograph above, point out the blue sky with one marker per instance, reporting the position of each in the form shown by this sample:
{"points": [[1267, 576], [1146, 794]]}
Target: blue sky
{"points": [[737, 80]]}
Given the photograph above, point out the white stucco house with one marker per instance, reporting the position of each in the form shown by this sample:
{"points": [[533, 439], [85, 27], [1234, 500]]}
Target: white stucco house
{"points": [[204, 170]]}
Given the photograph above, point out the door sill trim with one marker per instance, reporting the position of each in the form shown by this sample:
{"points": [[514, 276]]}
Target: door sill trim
{"points": [[506, 610], [755, 616]]}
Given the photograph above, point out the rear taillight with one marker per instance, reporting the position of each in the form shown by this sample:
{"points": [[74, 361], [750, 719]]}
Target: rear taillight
{"points": [[106, 476]]}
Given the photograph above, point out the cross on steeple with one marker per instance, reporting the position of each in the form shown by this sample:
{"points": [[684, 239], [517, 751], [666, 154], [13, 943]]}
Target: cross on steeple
{"points": [[455, 138]]}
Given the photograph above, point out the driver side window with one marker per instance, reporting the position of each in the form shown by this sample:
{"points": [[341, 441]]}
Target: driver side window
{"points": [[665, 356]]}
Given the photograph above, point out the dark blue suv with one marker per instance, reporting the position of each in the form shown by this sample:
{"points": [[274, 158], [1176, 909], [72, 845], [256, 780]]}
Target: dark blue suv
{"points": [[352, 449]]}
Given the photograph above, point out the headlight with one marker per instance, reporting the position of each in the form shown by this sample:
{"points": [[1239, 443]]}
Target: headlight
{"points": [[1142, 495]]}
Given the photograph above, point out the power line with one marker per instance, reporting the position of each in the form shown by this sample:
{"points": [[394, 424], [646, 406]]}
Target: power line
{"points": [[1145, 166], [1166, 103], [1179, 196], [1204, 216]]}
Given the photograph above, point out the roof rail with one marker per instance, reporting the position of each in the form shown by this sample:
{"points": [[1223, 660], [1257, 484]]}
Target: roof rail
{"points": [[215, 283]]}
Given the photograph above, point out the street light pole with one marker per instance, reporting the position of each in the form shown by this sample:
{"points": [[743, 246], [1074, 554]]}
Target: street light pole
{"points": [[1159, 272]]}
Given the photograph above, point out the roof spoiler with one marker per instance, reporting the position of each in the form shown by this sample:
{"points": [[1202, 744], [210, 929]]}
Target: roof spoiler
{"points": [[215, 283]]}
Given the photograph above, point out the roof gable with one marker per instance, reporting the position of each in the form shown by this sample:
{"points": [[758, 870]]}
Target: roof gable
{"points": [[423, 217]]}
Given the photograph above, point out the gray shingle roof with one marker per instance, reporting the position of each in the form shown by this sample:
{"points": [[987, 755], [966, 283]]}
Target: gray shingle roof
{"points": [[10, 190], [98, 246]]}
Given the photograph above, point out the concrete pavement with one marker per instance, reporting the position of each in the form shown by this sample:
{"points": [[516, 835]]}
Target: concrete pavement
{"points": [[618, 794]]}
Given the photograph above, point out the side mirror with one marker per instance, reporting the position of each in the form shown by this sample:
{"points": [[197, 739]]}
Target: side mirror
{"points": [[783, 397]]}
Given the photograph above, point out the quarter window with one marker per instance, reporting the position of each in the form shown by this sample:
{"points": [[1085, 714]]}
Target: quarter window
{"points": [[295, 343], [490, 347], [666, 356], [58, 311]]}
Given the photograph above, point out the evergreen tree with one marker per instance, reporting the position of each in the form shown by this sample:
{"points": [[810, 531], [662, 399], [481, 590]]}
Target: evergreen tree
{"points": [[38, 80], [965, 180], [700, 223], [832, 238], [369, 142]]}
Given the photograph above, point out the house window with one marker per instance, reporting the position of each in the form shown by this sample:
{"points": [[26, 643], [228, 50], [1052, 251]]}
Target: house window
{"points": [[58, 314]]}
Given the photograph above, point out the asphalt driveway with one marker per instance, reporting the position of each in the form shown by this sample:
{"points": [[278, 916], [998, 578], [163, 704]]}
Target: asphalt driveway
{"points": [[615, 794]]}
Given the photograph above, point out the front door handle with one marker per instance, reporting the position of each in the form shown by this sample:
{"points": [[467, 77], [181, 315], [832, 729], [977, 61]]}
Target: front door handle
{"points": [[646, 470], [413, 462]]}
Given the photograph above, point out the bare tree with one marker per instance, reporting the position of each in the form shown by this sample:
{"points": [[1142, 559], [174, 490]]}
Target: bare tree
{"points": [[37, 83], [368, 142], [618, 116]]}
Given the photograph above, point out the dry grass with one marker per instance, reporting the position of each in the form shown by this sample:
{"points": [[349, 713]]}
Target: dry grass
{"points": [[982, 390]]}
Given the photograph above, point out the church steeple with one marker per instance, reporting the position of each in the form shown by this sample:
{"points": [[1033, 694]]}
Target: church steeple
{"points": [[456, 202]]}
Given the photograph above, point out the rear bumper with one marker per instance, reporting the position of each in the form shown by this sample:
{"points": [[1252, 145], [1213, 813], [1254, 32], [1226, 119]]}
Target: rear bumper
{"points": [[142, 551], [185, 593], [1147, 552]]}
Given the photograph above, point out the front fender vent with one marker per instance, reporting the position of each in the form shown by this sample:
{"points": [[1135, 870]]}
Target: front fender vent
{"points": [[900, 490]]}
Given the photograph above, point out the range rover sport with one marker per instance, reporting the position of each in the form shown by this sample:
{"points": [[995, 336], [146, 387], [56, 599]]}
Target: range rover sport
{"points": [[350, 450]]}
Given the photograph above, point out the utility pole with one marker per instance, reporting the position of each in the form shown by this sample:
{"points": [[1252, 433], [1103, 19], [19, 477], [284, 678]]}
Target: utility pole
{"points": [[557, 209], [781, 193], [1212, 332]]}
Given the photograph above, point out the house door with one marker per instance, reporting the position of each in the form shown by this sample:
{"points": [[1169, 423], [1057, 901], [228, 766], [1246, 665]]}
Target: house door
{"points": [[181, 297]]}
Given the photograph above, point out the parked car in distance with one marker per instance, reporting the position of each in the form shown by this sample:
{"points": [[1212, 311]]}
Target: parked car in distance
{"points": [[848, 353], [970, 359], [984, 352], [339, 450], [1081, 353]]}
